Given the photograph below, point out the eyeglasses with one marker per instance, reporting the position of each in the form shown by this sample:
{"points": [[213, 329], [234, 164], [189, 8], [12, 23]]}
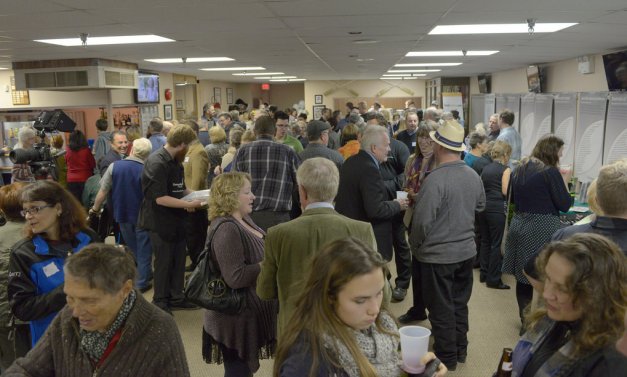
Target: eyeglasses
{"points": [[34, 210]]}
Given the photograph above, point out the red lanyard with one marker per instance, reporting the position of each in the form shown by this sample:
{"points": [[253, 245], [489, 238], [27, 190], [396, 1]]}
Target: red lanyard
{"points": [[114, 341]]}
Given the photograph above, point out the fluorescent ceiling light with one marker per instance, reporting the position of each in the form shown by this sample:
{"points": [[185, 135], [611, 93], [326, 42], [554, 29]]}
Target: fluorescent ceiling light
{"points": [[404, 71], [274, 77], [499, 28], [264, 78], [419, 74], [96, 41], [397, 75], [278, 80], [234, 69], [452, 53], [2, 68], [427, 64], [290, 80], [255, 74], [422, 70], [284, 80], [190, 60]]}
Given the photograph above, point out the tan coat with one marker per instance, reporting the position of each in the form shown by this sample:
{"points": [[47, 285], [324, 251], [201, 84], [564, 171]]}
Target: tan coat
{"points": [[196, 166]]}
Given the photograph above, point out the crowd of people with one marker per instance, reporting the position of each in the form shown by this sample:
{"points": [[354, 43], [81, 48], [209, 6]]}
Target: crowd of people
{"points": [[302, 219]]}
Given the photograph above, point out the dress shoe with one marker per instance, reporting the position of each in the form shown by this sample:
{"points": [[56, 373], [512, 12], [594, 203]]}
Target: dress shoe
{"points": [[398, 294], [183, 305], [410, 317], [500, 285], [481, 279], [146, 288]]}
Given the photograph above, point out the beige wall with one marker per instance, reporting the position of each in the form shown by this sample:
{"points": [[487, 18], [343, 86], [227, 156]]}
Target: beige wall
{"points": [[286, 95], [562, 76], [361, 88]]}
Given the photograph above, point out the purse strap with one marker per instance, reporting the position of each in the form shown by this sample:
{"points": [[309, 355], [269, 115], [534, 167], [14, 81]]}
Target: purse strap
{"points": [[212, 263]]}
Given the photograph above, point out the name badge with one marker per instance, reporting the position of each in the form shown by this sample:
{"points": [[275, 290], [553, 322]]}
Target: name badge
{"points": [[186, 159], [413, 143], [50, 269]]}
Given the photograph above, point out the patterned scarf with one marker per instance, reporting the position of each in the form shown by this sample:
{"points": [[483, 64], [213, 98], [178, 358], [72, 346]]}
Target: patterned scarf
{"points": [[379, 348], [95, 343]]}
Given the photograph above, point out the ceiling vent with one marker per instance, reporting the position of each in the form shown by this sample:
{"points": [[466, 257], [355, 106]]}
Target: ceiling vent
{"points": [[75, 74]]}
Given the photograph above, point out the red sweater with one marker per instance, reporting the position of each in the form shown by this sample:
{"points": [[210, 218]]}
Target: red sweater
{"points": [[80, 164]]}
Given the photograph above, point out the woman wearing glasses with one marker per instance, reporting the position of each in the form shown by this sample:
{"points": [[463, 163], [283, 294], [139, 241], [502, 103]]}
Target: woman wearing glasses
{"points": [[55, 228]]}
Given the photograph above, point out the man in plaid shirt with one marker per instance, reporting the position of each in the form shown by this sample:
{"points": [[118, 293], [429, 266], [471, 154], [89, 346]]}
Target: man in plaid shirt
{"points": [[272, 167]]}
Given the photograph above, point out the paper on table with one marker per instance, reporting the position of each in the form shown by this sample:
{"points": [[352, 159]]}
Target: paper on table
{"points": [[202, 195]]}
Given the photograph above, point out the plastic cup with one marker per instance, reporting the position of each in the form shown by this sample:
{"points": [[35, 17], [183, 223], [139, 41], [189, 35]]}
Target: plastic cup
{"points": [[414, 345], [401, 195]]}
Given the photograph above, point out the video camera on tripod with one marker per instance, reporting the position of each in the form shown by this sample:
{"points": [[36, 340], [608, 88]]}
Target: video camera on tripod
{"points": [[39, 157]]}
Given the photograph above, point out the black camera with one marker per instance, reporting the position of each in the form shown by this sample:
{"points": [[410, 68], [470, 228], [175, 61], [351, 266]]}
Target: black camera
{"points": [[39, 157]]}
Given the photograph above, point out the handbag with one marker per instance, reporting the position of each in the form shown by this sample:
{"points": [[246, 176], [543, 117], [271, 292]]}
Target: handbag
{"points": [[206, 287]]}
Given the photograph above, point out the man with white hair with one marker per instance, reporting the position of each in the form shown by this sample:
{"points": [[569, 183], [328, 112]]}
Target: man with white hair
{"points": [[123, 180], [362, 193], [493, 127], [290, 247]]}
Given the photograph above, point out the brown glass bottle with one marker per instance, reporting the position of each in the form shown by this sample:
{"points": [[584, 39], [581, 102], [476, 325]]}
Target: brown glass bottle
{"points": [[505, 365]]}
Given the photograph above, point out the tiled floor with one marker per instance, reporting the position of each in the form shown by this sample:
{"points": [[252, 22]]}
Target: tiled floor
{"points": [[494, 324]]}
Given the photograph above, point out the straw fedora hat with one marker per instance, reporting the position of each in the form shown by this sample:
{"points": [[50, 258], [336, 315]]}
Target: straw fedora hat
{"points": [[450, 135]]}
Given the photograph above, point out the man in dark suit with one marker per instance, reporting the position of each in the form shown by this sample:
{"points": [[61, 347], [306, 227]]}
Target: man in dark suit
{"points": [[362, 194], [408, 135]]}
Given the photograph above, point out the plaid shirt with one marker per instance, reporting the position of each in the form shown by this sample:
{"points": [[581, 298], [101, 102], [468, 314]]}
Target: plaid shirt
{"points": [[272, 167]]}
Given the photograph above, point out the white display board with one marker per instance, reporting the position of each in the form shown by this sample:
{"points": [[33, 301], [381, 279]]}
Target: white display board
{"points": [[589, 135], [543, 116], [565, 118], [616, 128], [527, 123]]}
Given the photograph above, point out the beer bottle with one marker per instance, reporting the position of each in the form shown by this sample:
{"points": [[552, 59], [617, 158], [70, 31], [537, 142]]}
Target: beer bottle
{"points": [[505, 366]]}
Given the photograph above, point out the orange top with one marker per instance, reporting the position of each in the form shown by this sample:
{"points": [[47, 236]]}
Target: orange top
{"points": [[350, 149]]}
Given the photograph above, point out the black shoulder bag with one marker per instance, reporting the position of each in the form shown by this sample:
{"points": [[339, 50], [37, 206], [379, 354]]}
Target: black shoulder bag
{"points": [[206, 287]]}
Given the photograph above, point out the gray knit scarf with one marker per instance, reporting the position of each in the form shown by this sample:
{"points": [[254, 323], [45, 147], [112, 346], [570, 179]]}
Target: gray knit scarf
{"points": [[379, 348], [95, 343]]}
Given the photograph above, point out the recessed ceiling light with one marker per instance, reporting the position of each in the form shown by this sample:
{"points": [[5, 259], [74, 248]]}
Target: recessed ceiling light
{"points": [[427, 64], [499, 28], [255, 74], [96, 41], [234, 69], [190, 60], [365, 41], [451, 53]]}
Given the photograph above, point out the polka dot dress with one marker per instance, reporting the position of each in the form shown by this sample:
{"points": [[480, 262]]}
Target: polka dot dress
{"points": [[527, 235]]}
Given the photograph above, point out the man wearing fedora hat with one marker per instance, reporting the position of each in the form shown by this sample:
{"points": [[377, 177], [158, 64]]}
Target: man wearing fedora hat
{"points": [[442, 240]]}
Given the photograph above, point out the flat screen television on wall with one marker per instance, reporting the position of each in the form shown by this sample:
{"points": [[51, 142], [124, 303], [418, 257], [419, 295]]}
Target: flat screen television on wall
{"points": [[534, 79], [616, 70], [147, 88], [485, 83]]}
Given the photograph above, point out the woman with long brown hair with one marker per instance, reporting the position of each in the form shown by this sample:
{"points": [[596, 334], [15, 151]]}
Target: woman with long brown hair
{"points": [[341, 326], [585, 298]]}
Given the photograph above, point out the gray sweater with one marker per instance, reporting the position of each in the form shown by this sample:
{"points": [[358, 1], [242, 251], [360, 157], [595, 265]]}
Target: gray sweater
{"points": [[442, 229]]}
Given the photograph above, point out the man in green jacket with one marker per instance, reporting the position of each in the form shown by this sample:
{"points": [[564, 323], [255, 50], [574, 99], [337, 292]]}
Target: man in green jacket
{"points": [[291, 246]]}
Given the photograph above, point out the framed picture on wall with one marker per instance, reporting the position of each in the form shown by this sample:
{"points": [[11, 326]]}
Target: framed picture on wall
{"points": [[317, 112], [217, 95], [167, 112], [318, 99], [179, 103], [229, 96]]}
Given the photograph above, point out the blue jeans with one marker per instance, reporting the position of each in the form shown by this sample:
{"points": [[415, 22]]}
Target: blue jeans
{"points": [[139, 242]]}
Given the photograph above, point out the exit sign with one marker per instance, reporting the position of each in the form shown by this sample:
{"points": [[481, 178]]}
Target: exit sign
{"points": [[265, 86]]}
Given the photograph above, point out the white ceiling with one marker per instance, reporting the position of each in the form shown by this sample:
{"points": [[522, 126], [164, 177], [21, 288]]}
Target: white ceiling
{"points": [[309, 38]]}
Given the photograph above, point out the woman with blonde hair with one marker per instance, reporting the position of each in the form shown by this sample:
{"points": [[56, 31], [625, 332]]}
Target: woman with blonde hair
{"points": [[341, 326], [236, 244], [495, 178], [585, 298]]}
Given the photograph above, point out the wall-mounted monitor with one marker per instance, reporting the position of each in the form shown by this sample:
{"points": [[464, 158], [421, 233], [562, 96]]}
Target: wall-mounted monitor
{"points": [[147, 88], [485, 83], [616, 70], [534, 79]]}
